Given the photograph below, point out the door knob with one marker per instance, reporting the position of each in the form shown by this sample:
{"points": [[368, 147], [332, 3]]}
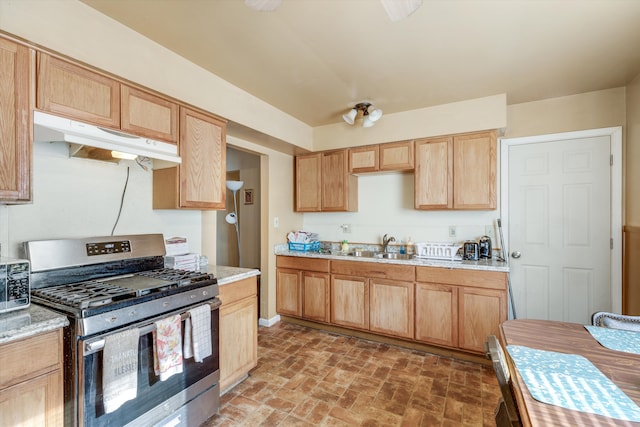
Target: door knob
{"points": [[515, 254]]}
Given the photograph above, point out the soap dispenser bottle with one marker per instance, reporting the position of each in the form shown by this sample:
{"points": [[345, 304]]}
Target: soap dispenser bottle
{"points": [[345, 246], [410, 248]]}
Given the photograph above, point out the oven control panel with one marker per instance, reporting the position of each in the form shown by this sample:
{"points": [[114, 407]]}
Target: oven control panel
{"points": [[104, 248]]}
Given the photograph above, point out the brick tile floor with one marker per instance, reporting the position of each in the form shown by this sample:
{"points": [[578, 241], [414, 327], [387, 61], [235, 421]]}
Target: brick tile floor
{"points": [[307, 377]]}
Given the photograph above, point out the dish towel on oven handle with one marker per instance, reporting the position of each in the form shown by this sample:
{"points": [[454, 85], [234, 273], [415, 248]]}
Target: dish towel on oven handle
{"points": [[120, 369], [167, 347], [197, 333]]}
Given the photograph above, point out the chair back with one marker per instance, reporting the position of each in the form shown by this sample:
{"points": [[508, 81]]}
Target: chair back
{"points": [[507, 404], [606, 319]]}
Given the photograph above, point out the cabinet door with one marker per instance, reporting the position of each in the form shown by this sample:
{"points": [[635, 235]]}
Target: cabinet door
{"points": [[364, 159], [315, 296], [35, 402], [481, 313], [474, 173], [339, 188], [391, 307], [78, 93], [437, 314], [17, 67], [149, 115], [203, 168], [238, 340], [289, 292], [433, 173], [350, 301], [396, 156], [308, 183]]}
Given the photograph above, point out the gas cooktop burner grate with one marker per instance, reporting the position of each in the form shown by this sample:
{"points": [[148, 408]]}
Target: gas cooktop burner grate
{"points": [[85, 294], [181, 277]]}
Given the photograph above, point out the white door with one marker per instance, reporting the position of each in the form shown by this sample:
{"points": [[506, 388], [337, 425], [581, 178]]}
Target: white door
{"points": [[560, 194]]}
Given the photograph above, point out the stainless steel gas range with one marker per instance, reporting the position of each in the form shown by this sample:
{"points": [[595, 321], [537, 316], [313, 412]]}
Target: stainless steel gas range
{"points": [[106, 285]]}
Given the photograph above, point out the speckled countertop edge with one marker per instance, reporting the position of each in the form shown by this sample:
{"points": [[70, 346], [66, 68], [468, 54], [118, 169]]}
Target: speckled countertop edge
{"points": [[226, 274], [486, 265], [27, 322]]}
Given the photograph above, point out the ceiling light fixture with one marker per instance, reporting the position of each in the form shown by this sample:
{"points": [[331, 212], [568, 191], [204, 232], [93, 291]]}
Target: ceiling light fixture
{"points": [[400, 9], [370, 117]]}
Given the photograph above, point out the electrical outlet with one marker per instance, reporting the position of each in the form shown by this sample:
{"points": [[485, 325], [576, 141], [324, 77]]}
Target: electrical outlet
{"points": [[346, 228], [276, 222], [452, 231], [490, 231]]}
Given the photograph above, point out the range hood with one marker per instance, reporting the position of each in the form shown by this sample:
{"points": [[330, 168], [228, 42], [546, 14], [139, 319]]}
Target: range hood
{"points": [[50, 128]]}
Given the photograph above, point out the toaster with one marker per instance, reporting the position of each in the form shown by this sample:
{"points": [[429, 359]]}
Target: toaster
{"points": [[470, 251], [15, 285]]}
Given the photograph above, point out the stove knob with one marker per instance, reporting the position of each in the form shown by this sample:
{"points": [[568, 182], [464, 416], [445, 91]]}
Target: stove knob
{"points": [[112, 319], [165, 304]]}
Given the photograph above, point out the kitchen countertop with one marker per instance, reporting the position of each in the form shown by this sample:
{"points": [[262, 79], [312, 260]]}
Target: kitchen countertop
{"points": [[483, 264], [24, 323], [226, 274]]}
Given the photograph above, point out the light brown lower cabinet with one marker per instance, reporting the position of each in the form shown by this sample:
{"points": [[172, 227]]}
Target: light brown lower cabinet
{"points": [[481, 312], [31, 386], [468, 305], [289, 292], [437, 314], [454, 308], [315, 291], [350, 301], [302, 287], [238, 331], [391, 307]]}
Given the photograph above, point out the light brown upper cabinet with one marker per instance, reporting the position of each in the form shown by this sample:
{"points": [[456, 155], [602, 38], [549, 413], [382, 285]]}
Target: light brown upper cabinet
{"points": [[324, 184], [308, 172], [79, 93], [17, 98], [339, 187], [76, 92], [396, 156], [148, 115], [456, 172], [199, 182], [393, 156], [364, 159]]}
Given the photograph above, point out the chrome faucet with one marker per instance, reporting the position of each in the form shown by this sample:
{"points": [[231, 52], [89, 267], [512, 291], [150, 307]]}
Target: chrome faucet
{"points": [[385, 242]]}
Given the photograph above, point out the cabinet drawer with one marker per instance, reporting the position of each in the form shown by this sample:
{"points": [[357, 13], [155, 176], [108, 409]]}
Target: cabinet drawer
{"points": [[472, 278], [30, 357], [301, 263], [374, 270], [232, 292]]}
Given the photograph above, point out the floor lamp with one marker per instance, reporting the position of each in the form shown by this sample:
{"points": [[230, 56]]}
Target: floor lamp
{"points": [[232, 217]]}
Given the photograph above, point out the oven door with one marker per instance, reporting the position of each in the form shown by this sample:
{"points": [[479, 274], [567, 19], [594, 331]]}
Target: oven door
{"points": [[168, 402]]}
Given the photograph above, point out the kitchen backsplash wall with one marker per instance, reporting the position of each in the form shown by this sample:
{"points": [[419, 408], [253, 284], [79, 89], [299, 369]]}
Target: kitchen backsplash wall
{"points": [[79, 197], [385, 205]]}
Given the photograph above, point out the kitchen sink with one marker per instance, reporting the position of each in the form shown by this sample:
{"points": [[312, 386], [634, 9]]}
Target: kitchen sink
{"points": [[364, 254], [393, 256]]}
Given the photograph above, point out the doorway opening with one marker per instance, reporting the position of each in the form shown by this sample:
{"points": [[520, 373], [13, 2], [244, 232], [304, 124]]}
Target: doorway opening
{"points": [[245, 167]]}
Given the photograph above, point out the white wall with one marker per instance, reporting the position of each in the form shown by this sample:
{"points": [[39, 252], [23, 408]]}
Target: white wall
{"points": [[385, 205], [79, 198]]}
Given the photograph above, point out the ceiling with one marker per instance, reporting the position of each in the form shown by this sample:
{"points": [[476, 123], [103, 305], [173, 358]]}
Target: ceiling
{"points": [[314, 59]]}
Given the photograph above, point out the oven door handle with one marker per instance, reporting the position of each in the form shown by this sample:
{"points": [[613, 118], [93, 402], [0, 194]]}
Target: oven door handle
{"points": [[97, 345]]}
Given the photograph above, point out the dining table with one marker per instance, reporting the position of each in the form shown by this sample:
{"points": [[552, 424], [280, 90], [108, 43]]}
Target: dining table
{"points": [[622, 368]]}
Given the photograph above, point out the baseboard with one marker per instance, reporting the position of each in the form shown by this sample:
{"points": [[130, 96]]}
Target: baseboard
{"points": [[269, 322]]}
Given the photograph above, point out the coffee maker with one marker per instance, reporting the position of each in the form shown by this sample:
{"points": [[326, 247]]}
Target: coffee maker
{"points": [[484, 247]]}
